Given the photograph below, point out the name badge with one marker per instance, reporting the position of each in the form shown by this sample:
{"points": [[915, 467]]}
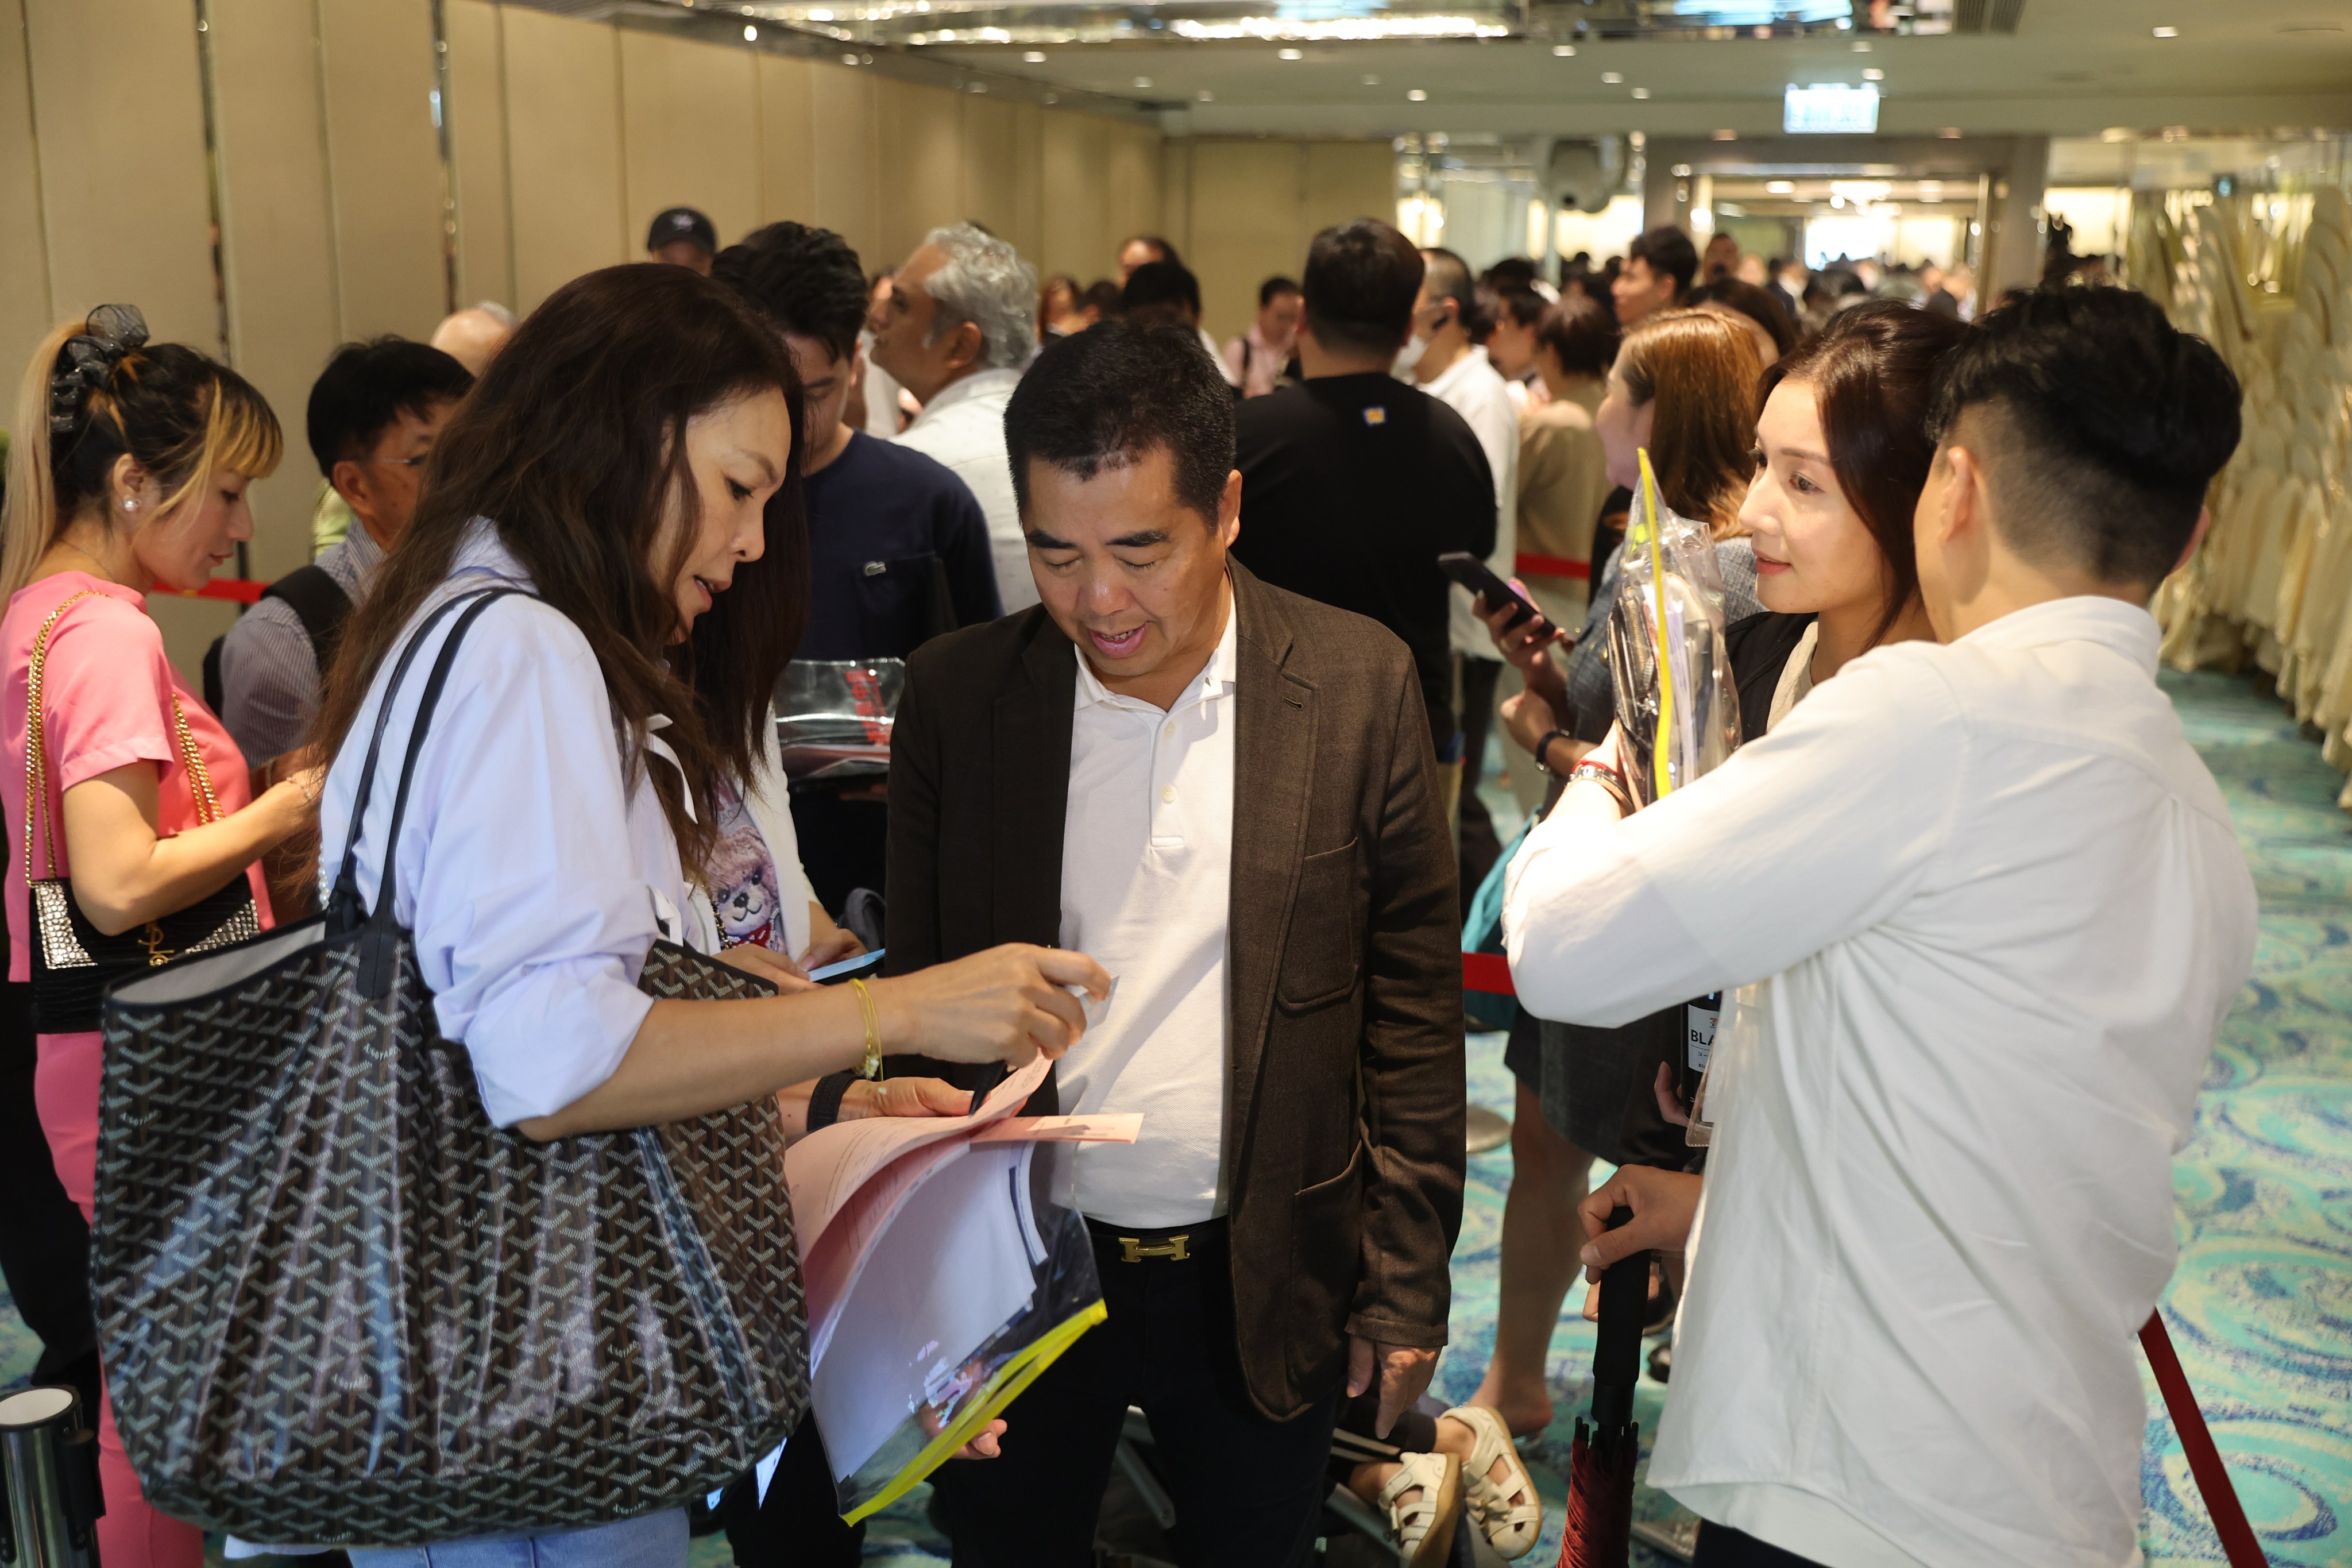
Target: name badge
{"points": [[1699, 1019]]}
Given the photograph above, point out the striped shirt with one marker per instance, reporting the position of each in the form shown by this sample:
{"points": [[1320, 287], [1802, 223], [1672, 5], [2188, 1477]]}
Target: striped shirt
{"points": [[270, 672]]}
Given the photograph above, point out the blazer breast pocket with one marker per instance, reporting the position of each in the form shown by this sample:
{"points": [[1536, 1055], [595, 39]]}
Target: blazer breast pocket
{"points": [[1324, 948]]}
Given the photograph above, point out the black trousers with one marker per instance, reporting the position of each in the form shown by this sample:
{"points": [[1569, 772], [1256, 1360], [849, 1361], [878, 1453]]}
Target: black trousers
{"points": [[1720, 1546], [1480, 846], [1247, 1491], [799, 1523], [43, 1244]]}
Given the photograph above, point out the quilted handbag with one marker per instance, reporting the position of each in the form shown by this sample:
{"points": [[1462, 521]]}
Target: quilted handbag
{"points": [[72, 960], [337, 1306]]}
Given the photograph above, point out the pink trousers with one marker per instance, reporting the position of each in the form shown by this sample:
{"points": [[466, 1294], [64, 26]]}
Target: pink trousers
{"points": [[65, 1090]]}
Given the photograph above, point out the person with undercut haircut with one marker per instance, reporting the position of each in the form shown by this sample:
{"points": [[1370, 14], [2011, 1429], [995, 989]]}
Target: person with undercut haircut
{"points": [[898, 546], [1985, 911]]}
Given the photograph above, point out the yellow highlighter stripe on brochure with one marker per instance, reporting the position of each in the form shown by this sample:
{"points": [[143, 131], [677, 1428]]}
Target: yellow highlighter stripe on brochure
{"points": [[1643, 531]]}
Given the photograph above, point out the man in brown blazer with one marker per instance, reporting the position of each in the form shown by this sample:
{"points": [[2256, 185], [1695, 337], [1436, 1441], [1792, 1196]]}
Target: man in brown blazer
{"points": [[1226, 795]]}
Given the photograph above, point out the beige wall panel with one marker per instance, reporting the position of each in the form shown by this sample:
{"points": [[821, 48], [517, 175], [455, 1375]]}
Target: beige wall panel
{"points": [[385, 163], [922, 188], [1246, 225], [1029, 177], [189, 624], [121, 135], [23, 258], [1131, 182], [787, 141], [691, 131], [278, 243], [1347, 180], [476, 113], [1077, 237], [564, 151], [990, 169], [848, 170], [1176, 190]]}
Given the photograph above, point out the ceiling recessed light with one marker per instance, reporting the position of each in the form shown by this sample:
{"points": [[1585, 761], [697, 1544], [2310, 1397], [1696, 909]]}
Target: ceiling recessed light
{"points": [[1949, 133], [1781, 187], [1874, 74], [1612, 78], [1052, 98], [1416, 96], [1034, 57], [1290, 54], [1641, 93], [1205, 95], [1564, 51], [1371, 81], [849, 59], [1727, 136], [750, 35], [1143, 81], [979, 87], [1860, 48], [2163, 32]]}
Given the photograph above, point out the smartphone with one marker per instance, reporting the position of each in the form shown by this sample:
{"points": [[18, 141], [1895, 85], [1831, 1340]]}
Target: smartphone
{"points": [[864, 964], [1474, 574]]}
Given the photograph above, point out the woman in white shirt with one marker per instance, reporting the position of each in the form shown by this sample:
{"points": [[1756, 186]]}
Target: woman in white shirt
{"points": [[629, 460]]}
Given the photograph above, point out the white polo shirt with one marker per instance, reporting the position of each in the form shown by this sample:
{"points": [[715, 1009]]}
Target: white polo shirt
{"points": [[1475, 389], [1988, 910], [1147, 871]]}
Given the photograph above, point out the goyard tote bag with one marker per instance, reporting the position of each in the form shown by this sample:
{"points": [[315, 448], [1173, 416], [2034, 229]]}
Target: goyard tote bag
{"points": [[337, 1306]]}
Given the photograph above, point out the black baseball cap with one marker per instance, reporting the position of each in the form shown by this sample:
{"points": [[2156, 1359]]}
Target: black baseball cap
{"points": [[683, 223]]}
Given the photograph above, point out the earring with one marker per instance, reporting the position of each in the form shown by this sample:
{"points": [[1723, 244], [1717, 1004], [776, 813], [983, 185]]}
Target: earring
{"points": [[129, 504]]}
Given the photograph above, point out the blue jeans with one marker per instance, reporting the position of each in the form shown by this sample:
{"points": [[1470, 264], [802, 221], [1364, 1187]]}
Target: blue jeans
{"points": [[653, 1540]]}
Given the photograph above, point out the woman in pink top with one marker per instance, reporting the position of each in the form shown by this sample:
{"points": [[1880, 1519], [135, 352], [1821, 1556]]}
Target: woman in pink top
{"points": [[141, 484]]}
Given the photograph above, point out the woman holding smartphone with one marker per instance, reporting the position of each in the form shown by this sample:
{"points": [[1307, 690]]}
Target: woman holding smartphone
{"points": [[630, 462]]}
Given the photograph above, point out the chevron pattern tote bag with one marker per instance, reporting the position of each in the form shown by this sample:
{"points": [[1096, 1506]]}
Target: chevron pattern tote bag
{"points": [[337, 1306]]}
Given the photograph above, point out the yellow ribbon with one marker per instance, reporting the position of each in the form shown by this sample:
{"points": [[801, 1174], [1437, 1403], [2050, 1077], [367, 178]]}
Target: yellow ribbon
{"points": [[1644, 524]]}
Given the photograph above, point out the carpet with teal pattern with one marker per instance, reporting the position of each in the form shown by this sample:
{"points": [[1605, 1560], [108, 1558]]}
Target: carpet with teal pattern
{"points": [[2261, 1304]]}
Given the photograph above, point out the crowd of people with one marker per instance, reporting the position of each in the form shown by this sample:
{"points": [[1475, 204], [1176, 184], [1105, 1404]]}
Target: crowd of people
{"points": [[1192, 714]]}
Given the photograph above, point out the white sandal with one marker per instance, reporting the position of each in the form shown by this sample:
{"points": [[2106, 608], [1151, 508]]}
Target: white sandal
{"points": [[1423, 1526], [1510, 1527]]}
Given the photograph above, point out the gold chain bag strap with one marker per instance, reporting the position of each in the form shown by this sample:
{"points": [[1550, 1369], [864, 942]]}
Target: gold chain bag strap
{"points": [[73, 961]]}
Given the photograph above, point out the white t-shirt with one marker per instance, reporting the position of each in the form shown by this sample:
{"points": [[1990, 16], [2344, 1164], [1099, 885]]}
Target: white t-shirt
{"points": [[1987, 911], [1475, 390], [1147, 874]]}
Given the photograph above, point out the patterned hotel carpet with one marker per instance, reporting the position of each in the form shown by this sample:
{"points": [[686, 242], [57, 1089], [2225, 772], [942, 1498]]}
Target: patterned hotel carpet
{"points": [[2262, 1305]]}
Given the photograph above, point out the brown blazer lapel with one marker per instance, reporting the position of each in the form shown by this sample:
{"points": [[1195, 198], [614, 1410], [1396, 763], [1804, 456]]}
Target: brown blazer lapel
{"points": [[1273, 767], [1031, 791]]}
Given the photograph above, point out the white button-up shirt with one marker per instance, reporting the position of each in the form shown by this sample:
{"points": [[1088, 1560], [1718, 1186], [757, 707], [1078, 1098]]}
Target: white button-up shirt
{"points": [[1988, 912], [963, 427], [1475, 389], [1147, 870], [531, 871]]}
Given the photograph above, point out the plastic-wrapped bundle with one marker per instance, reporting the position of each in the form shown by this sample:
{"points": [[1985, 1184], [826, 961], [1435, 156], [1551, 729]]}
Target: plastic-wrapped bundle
{"points": [[1677, 707], [834, 717]]}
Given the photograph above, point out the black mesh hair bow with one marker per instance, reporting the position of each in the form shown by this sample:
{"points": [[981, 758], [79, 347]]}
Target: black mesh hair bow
{"points": [[88, 358]]}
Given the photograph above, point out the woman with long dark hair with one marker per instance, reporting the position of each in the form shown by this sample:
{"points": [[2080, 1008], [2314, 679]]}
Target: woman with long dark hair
{"points": [[630, 461]]}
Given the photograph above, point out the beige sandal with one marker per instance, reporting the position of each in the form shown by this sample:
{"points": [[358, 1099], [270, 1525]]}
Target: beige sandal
{"points": [[1423, 1525], [1508, 1512]]}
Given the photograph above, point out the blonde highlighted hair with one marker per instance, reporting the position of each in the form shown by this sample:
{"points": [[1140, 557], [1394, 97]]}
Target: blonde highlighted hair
{"points": [[178, 414], [1702, 372]]}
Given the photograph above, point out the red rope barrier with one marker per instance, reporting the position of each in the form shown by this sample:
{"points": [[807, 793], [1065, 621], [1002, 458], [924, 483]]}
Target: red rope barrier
{"points": [[2204, 1459], [237, 590], [1487, 971], [1528, 565]]}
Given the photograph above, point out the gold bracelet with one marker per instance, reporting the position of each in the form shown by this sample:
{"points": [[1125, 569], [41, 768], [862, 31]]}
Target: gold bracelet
{"points": [[871, 1067]]}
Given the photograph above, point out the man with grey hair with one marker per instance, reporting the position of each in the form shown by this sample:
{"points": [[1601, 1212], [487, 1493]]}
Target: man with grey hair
{"points": [[956, 331]]}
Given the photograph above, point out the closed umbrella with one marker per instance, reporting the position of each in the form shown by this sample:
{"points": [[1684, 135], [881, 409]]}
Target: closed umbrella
{"points": [[1600, 1521]]}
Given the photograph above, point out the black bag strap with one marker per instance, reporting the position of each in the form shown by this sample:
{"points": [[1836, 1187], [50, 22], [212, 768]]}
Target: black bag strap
{"points": [[344, 894], [376, 941], [318, 602]]}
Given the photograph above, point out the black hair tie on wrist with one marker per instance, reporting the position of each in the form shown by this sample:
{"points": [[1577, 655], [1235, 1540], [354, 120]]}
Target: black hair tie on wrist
{"points": [[87, 359]]}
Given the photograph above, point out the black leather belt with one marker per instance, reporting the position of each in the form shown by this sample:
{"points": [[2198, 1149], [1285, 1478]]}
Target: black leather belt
{"points": [[1181, 1243]]}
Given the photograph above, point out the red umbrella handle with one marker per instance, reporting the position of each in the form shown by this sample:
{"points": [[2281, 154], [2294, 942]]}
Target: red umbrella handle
{"points": [[2204, 1459]]}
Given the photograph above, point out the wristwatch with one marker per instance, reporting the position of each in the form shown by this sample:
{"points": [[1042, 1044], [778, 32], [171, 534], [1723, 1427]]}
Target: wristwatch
{"points": [[1608, 778], [1543, 747]]}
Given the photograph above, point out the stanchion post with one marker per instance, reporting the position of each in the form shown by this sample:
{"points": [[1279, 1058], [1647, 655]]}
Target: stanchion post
{"points": [[51, 1491]]}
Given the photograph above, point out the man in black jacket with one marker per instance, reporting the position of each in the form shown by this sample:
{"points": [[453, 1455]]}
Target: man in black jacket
{"points": [[1225, 794]]}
